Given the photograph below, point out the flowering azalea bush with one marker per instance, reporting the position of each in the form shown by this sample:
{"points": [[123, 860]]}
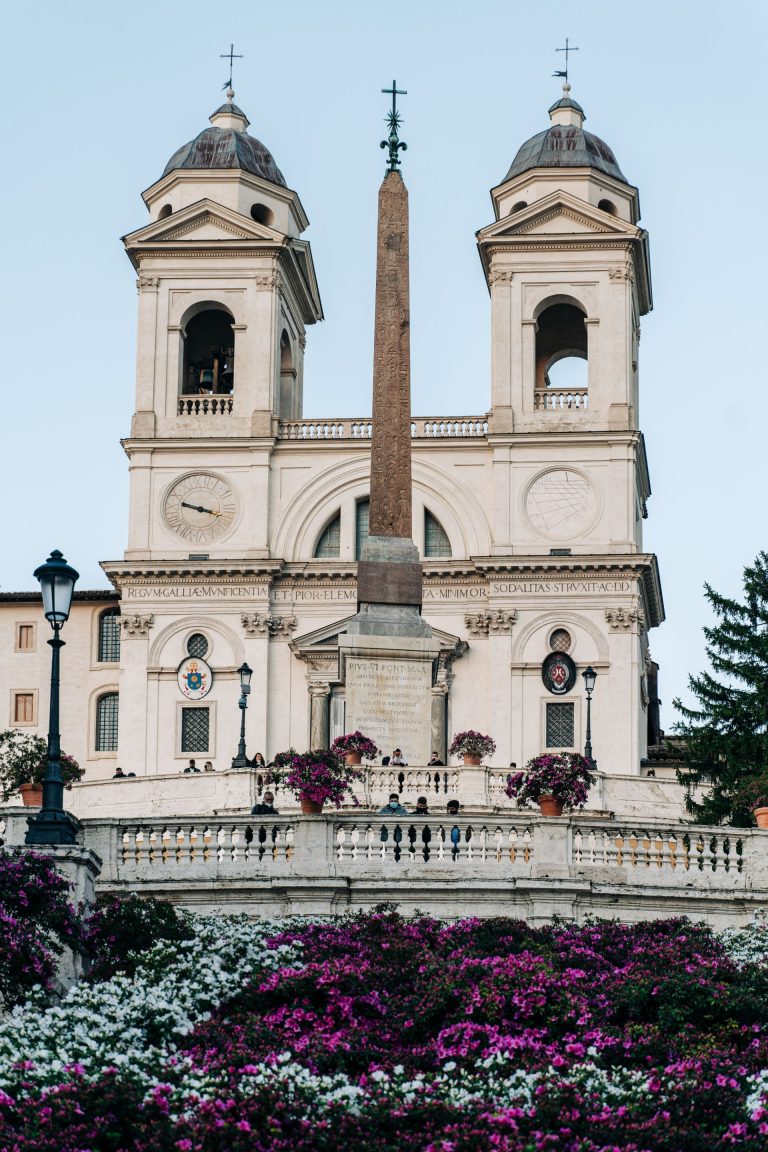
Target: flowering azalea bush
{"points": [[24, 759], [377, 1032], [566, 776], [120, 930], [318, 776], [472, 743], [37, 922], [355, 742]]}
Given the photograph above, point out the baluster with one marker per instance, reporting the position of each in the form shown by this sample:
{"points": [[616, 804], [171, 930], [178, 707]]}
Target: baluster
{"points": [[127, 847], [179, 849], [207, 838], [152, 846], [672, 845], [192, 844], [577, 841], [341, 837]]}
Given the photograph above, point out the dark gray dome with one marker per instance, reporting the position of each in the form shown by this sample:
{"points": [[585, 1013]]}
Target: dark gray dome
{"points": [[566, 146], [227, 148]]}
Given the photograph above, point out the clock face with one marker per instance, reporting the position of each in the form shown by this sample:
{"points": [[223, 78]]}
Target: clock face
{"points": [[200, 508]]}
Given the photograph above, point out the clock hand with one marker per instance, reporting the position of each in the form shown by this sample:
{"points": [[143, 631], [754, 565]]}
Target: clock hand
{"points": [[199, 508]]}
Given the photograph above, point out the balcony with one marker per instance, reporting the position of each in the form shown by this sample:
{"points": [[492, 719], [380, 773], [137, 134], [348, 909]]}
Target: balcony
{"points": [[422, 428], [560, 399], [206, 405]]}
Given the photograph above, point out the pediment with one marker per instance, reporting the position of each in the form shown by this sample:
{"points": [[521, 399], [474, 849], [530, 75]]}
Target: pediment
{"points": [[326, 639], [558, 214], [204, 221]]}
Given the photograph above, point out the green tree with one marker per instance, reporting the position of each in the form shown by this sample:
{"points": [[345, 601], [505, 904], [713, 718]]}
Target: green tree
{"points": [[727, 734]]}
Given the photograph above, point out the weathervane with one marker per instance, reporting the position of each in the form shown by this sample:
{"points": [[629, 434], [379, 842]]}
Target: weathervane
{"points": [[393, 142], [231, 56], [567, 49]]}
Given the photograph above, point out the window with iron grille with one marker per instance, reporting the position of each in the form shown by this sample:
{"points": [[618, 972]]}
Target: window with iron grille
{"points": [[436, 542], [109, 636], [560, 726], [361, 526], [197, 645], [106, 722], [195, 726], [329, 544], [560, 640]]}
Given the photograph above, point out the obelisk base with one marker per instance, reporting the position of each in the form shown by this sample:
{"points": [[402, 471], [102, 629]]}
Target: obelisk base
{"points": [[389, 582]]}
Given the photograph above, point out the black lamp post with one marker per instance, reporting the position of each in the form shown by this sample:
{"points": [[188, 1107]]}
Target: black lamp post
{"points": [[245, 673], [53, 825], [589, 676]]}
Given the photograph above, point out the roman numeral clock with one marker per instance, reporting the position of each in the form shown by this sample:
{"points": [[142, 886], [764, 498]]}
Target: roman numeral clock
{"points": [[200, 507]]}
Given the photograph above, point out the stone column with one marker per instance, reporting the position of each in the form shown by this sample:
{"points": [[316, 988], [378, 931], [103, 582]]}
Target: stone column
{"points": [[319, 714], [439, 734]]}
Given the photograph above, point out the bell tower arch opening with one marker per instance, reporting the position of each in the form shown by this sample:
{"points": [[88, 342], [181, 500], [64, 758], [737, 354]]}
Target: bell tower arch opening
{"points": [[289, 406], [562, 349], [208, 366]]}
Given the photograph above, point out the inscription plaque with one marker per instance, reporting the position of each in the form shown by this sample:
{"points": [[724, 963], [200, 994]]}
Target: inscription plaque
{"points": [[390, 700]]}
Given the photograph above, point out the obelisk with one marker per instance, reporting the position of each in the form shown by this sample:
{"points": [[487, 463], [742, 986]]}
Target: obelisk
{"points": [[388, 650]]}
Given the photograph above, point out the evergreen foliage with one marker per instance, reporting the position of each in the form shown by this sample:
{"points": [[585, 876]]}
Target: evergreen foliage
{"points": [[727, 734]]}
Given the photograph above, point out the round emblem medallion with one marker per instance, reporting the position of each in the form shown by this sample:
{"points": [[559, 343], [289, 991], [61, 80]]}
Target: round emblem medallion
{"points": [[558, 673], [195, 678]]}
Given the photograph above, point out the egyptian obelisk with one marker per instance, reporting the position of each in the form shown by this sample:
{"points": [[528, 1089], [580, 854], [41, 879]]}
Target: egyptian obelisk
{"points": [[388, 650]]}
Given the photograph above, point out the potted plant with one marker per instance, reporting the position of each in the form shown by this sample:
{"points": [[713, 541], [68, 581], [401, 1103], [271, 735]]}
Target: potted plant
{"points": [[316, 776], [554, 781], [23, 761], [355, 747], [760, 811], [472, 746]]}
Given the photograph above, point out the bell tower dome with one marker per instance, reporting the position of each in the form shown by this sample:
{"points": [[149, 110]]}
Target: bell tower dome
{"points": [[568, 269], [227, 287]]}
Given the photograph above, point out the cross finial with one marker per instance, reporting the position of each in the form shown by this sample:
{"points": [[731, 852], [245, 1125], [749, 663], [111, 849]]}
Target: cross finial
{"points": [[231, 56], [567, 49], [393, 142]]}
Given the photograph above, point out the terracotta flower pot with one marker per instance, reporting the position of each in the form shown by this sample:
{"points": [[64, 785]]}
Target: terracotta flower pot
{"points": [[550, 807], [310, 807], [353, 758], [761, 817], [32, 795], [472, 761]]}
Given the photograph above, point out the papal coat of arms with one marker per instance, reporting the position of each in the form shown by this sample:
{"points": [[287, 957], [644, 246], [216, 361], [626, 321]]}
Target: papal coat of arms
{"points": [[195, 678]]}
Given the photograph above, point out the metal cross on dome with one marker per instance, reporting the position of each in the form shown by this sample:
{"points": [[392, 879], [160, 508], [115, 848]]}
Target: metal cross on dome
{"points": [[567, 49], [393, 141], [231, 56]]}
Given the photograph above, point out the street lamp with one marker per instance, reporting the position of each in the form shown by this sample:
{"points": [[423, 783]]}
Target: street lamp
{"points": [[245, 673], [589, 676], [53, 825]]}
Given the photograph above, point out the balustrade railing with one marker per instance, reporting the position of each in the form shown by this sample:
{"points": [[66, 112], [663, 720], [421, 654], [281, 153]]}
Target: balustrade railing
{"points": [[422, 427], [418, 841], [235, 845], [204, 405], [560, 399], [660, 855]]}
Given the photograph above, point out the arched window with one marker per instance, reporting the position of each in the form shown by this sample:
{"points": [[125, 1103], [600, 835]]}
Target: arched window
{"points": [[209, 353], [363, 512], [109, 636], [106, 722], [561, 349], [436, 542], [329, 545]]}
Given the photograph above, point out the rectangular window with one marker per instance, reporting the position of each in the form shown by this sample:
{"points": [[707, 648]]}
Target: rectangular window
{"points": [[25, 637], [24, 708], [560, 726], [109, 636], [195, 728]]}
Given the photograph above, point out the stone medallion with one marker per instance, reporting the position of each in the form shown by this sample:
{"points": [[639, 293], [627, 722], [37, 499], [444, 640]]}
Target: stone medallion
{"points": [[561, 503]]}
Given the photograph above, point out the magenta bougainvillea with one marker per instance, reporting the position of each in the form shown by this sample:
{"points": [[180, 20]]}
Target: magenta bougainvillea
{"points": [[356, 742], [318, 776], [471, 743], [566, 776]]}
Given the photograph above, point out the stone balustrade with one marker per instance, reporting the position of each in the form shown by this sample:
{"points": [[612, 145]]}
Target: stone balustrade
{"points": [[205, 405], [560, 399], [422, 427], [479, 864]]}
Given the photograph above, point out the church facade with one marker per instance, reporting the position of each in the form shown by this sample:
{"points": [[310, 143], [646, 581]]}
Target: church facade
{"points": [[246, 520]]}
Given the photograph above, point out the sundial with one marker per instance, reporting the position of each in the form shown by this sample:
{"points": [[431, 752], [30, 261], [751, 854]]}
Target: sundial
{"points": [[561, 502]]}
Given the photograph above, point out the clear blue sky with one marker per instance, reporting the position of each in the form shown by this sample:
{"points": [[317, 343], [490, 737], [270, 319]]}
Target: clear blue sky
{"points": [[97, 96]]}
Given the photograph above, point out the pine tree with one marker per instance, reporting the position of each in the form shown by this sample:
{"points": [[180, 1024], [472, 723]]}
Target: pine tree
{"points": [[727, 735]]}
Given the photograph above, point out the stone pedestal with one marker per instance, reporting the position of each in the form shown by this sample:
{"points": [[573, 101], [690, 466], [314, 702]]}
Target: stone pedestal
{"points": [[389, 690]]}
